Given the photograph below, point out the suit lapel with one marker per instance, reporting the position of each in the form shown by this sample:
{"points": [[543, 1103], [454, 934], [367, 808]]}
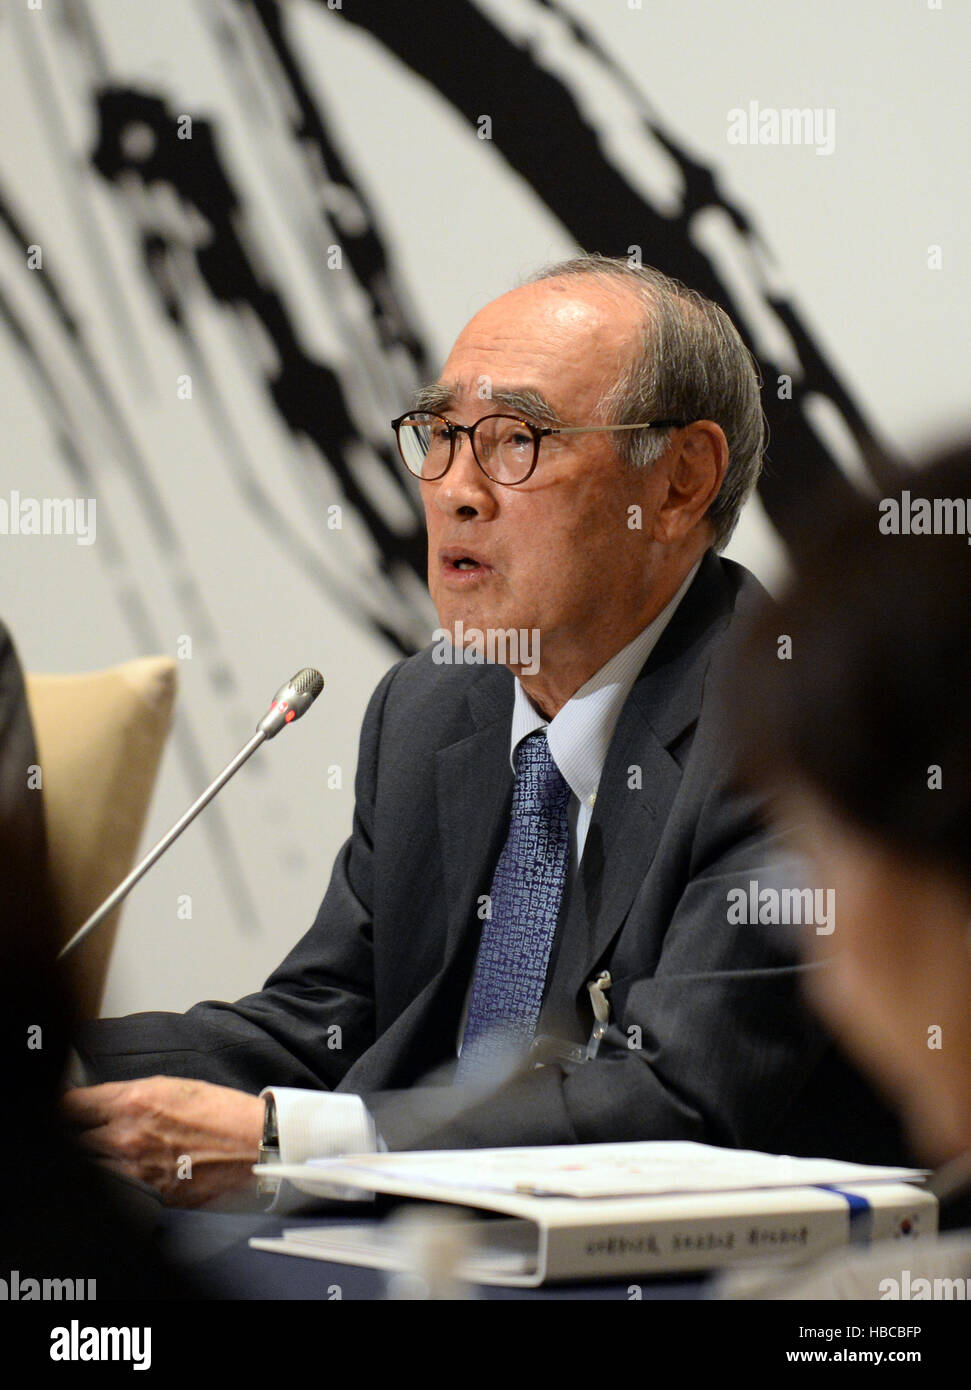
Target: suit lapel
{"points": [[474, 787], [639, 782], [620, 845]]}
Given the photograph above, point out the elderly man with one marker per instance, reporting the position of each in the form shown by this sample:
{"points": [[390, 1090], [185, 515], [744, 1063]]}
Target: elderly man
{"points": [[542, 853]]}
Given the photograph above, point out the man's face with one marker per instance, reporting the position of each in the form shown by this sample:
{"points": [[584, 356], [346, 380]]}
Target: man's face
{"points": [[555, 553]]}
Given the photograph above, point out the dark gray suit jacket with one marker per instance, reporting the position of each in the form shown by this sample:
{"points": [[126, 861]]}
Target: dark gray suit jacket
{"points": [[708, 1040]]}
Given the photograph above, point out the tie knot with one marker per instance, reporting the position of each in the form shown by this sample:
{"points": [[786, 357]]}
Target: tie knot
{"points": [[539, 782]]}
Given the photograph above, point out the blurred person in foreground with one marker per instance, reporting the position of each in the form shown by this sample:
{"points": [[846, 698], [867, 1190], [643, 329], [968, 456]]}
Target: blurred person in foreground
{"points": [[864, 738], [61, 1221]]}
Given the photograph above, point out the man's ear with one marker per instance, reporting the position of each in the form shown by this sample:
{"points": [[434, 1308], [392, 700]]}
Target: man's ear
{"points": [[694, 468]]}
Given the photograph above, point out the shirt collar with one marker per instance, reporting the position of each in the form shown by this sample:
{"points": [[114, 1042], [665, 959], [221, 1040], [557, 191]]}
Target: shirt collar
{"points": [[580, 733]]}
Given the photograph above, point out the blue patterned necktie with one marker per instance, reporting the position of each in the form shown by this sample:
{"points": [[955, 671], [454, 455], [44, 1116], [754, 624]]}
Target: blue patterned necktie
{"points": [[527, 890]]}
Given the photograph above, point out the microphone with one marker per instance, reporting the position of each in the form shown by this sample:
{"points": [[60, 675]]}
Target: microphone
{"points": [[289, 703]]}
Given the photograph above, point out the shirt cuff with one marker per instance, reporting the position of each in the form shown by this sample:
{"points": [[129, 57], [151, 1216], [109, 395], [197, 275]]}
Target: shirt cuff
{"points": [[321, 1124]]}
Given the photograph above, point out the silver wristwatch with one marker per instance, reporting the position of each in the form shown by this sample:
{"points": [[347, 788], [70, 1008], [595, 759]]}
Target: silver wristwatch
{"points": [[269, 1147]]}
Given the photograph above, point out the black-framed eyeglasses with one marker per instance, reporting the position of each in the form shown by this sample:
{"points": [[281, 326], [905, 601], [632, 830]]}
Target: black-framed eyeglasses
{"points": [[505, 447]]}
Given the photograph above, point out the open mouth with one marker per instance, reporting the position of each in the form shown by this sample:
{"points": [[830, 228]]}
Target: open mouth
{"points": [[455, 560], [460, 565]]}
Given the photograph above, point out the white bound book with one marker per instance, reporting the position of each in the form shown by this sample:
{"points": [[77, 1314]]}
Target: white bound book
{"points": [[611, 1211]]}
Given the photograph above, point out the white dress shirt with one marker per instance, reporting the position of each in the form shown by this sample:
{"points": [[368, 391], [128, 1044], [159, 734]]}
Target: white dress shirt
{"points": [[317, 1124]]}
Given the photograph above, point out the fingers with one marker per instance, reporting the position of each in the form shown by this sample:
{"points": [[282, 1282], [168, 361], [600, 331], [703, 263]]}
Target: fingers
{"points": [[122, 1167], [91, 1106], [191, 1140], [115, 1127], [103, 1142], [114, 1120]]}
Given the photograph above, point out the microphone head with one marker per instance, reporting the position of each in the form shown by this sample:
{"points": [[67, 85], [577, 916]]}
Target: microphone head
{"points": [[291, 701]]}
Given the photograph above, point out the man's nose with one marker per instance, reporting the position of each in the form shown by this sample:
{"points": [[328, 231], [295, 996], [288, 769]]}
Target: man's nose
{"points": [[465, 487]]}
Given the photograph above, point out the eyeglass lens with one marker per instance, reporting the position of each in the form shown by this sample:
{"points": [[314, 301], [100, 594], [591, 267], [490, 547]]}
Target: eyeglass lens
{"points": [[504, 445]]}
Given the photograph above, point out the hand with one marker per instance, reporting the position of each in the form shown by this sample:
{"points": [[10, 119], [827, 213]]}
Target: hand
{"points": [[191, 1140]]}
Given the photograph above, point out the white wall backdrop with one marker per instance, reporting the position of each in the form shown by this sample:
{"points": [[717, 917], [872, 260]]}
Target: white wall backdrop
{"points": [[212, 258]]}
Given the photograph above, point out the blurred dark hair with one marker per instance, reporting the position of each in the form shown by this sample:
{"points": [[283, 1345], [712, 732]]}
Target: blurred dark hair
{"points": [[878, 688]]}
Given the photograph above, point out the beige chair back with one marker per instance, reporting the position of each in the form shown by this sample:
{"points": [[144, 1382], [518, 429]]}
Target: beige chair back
{"points": [[99, 740]]}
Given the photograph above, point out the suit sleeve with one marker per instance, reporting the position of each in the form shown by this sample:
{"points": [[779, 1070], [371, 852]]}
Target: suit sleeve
{"points": [[315, 1014]]}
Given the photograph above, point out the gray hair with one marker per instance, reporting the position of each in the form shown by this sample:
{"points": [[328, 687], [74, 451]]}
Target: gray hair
{"points": [[692, 365]]}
